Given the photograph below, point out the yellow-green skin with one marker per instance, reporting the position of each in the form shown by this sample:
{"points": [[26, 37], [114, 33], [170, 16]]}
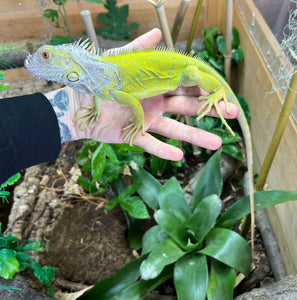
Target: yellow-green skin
{"points": [[153, 72], [126, 77]]}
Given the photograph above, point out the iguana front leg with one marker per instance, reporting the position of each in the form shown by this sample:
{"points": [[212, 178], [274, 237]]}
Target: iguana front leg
{"points": [[92, 114], [125, 99], [193, 76]]}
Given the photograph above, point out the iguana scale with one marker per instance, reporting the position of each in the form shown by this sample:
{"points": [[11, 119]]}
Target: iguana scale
{"points": [[124, 77]]}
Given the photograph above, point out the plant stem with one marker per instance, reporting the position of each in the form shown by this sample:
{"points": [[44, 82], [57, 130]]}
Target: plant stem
{"points": [[194, 25], [66, 21], [183, 7]]}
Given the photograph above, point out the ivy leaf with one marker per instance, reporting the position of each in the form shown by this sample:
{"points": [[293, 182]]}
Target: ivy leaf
{"points": [[44, 274], [23, 259], [9, 265]]}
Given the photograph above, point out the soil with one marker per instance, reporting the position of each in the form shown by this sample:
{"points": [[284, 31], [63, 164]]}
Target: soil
{"points": [[83, 243]]}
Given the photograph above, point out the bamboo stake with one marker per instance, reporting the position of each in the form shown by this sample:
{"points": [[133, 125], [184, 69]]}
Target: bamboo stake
{"points": [[228, 39], [86, 16], [194, 25], [158, 4], [183, 7], [278, 133]]}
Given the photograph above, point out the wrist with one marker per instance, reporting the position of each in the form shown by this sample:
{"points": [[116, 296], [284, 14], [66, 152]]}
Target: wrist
{"points": [[66, 103]]}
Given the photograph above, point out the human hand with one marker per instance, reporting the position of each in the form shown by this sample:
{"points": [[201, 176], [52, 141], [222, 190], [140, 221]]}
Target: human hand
{"points": [[113, 117]]}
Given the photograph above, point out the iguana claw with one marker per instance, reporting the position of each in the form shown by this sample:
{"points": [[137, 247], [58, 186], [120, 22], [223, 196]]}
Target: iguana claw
{"points": [[90, 116], [136, 126], [210, 101]]}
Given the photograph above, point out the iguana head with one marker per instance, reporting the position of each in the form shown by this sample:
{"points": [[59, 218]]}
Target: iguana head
{"points": [[70, 64]]}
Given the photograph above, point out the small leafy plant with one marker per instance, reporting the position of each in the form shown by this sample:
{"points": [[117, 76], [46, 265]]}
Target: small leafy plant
{"points": [[215, 48], [192, 243], [10, 181], [116, 25], [14, 259], [214, 55], [55, 17]]}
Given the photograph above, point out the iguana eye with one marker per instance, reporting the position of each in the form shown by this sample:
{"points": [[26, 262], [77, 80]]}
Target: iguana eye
{"points": [[45, 55], [73, 76]]}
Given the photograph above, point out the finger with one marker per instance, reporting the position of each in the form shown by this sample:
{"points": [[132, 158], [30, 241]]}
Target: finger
{"points": [[185, 105], [148, 40], [179, 131], [156, 147]]}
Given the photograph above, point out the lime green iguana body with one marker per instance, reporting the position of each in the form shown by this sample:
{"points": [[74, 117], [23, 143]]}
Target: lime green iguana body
{"points": [[126, 77]]}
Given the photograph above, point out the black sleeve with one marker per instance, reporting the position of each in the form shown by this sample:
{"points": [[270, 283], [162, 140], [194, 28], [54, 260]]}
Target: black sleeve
{"points": [[29, 133]]}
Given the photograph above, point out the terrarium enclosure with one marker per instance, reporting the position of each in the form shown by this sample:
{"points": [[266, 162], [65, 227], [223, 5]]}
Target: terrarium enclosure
{"points": [[258, 78]]}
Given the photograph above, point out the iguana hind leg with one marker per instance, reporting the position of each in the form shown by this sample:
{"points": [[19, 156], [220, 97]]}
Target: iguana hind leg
{"points": [[193, 76]]}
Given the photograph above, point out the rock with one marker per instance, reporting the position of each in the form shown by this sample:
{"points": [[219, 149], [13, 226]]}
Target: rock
{"points": [[285, 289], [23, 292]]}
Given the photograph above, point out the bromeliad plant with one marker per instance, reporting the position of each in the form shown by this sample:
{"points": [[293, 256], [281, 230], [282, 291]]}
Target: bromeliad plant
{"points": [[191, 243]]}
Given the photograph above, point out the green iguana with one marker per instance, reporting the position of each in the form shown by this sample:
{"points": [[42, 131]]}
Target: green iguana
{"points": [[124, 77]]}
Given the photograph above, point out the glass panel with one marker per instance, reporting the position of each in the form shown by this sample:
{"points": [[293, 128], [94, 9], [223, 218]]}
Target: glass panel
{"points": [[273, 25]]}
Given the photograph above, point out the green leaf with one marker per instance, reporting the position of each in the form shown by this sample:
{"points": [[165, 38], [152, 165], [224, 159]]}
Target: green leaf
{"points": [[95, 1], [229, 248], [32, 246], [237, 55], [221, 281], [217, 64], [110, 153], [3, 87], [107, 288], [44, 274], [59, 40], [132, 204], [233, 151], [11, 180], [84, 154], [209, 41], [221, 44], [242, 208], [205, 215], [134, 234], [134, 207], [151, 237], [98, 162], [172, 198], [162, 254], [142, 288], [148, 189], [191, 277], [210, 181], [9, 265], [235, 38], [23, 259], [51, 14], [202, 55], [172, 226]]}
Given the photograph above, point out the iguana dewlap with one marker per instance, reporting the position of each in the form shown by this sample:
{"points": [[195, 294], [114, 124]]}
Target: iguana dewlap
{"points": [[125, 77]]}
